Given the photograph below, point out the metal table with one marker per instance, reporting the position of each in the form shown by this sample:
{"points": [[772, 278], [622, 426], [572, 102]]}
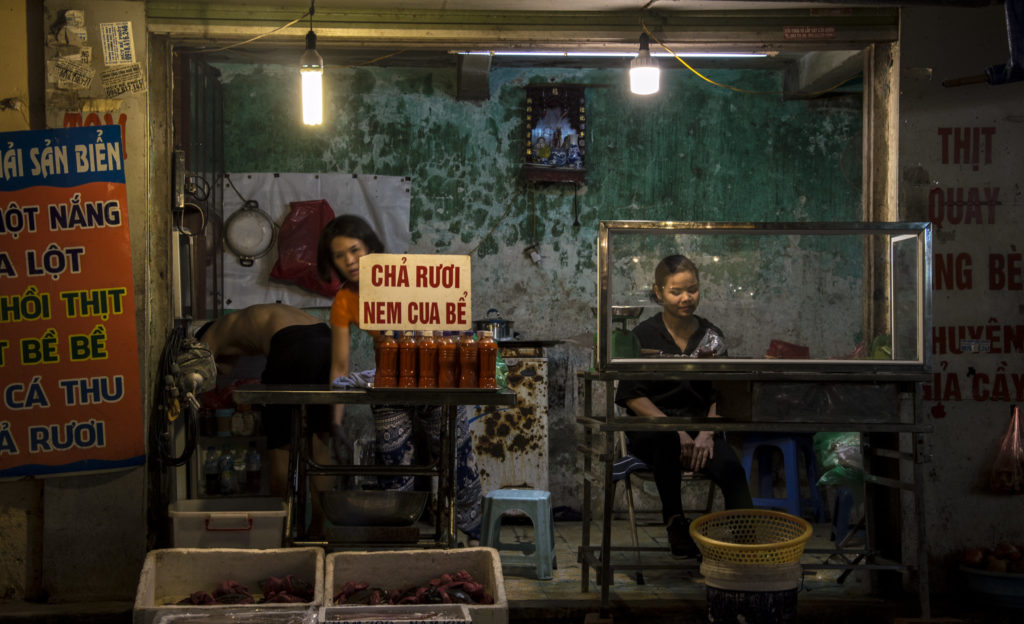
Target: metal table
{"points": [[597, 444], [301, 464]]}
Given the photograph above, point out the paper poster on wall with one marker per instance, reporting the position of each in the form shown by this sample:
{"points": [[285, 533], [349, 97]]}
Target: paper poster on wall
{"points": [[116, 42], [69, 360]]}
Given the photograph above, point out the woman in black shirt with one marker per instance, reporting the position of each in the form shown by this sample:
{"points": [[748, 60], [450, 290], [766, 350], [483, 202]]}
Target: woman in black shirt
{"points": [[678, 331]]}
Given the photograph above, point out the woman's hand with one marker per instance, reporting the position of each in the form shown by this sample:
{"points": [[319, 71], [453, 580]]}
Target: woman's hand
{"points": [[703, 450], [686, 448]]}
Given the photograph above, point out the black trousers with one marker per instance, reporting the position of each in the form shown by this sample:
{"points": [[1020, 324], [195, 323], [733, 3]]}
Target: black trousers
{"points": [[660, 451]]}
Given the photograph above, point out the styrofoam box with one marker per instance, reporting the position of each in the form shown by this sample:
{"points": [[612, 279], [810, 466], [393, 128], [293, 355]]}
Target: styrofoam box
{"points": [[254, 522], [403, 568], [250, 615], [397, 614], [172, 574]]}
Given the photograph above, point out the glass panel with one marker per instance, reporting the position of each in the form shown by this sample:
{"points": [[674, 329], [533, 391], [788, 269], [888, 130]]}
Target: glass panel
{"points": [[828, 294]]}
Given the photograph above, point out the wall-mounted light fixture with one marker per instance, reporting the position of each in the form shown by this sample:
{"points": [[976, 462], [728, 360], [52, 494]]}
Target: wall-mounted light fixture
{"points": [[644, 75], [311, 69]]}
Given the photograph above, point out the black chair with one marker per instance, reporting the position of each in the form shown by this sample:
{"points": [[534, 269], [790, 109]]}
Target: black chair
{"points": [[627, 466]]}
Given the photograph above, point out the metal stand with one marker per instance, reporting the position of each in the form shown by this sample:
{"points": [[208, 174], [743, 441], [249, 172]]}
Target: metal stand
{"points": [[301, 464], [597, 444]]}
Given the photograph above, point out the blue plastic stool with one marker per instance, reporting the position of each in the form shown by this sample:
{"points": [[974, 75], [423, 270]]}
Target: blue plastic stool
{"points": [[791, 445], [537, 505]]}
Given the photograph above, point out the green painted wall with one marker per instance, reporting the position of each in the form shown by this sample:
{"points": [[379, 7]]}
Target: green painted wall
{"points": [[694, 151]]}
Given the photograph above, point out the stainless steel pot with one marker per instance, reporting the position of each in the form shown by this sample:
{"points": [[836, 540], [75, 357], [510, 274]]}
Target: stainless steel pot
{"points": [[249, 233], [501, 329]]}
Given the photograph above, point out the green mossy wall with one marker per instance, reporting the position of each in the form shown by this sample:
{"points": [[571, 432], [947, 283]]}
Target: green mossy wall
{"points": [[692, 152]]}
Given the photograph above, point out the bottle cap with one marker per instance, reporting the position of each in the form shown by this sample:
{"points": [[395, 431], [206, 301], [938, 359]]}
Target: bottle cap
{"points": [[427, 333]]}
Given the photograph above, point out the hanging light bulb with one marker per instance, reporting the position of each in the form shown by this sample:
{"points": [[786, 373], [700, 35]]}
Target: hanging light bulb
{"points": [[644, 74], [311, 69]]}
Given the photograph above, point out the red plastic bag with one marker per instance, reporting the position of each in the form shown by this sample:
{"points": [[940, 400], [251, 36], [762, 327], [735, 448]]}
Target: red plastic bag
{"points": [[780, 349], [1008, 468], [296, 246]]}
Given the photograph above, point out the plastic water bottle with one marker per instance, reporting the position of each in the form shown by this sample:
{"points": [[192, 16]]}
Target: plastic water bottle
{"points": [[228, 482], [239, 470], [253, 469], [212, 472]]}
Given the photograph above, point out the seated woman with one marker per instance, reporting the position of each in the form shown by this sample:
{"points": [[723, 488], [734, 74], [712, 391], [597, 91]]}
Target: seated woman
{"points": [[677, 330]]}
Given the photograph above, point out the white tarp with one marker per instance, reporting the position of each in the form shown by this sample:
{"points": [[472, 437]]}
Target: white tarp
{"points": [[382, 200]]}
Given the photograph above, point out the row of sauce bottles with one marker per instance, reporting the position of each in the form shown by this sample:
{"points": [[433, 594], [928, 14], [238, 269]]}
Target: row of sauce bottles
{"points": [[436, 360]]}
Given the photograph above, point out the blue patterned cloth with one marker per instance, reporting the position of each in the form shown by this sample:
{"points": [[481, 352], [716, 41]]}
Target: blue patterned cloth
{"points": [[397, 427], [362, 379]]}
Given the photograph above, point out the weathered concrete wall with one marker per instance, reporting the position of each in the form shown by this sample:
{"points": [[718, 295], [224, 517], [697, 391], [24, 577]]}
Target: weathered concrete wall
{"points": [[960, 162], [13, 48], [94, 526], [20, 502], [692, 152]]}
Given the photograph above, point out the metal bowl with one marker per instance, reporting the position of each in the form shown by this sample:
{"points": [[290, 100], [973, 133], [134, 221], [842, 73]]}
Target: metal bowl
{"points": [[623, 313], [373, 507]]}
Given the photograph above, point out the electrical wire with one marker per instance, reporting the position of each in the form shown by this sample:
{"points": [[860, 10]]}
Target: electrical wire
{"points": [[257, 37], [181, 220], [374, 60], [309, 14], [232, 185], [731, 88]]}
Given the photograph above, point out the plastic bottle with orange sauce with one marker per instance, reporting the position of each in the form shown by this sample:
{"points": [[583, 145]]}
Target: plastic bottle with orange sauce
{"points": [[427, 347], [447, 361], [387, 362], [487, 350], [407, 354], [469, 357]]}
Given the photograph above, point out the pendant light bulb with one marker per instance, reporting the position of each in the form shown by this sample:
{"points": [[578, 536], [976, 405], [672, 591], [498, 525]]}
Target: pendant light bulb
{"points": [[311, 69], [644, 75]]}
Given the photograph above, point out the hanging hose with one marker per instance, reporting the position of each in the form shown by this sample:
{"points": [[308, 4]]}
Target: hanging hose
{"points": [[168, 407], [170, 403]]}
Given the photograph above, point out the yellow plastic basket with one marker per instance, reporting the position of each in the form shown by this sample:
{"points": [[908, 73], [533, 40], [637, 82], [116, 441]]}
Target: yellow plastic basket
{"points": [[751, 536]]}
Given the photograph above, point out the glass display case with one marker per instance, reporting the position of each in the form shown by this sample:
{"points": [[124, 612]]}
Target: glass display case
{"points": [[803, 297]]}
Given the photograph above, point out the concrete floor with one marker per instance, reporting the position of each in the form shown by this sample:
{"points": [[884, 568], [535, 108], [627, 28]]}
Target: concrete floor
{"points": [[668, 595]]}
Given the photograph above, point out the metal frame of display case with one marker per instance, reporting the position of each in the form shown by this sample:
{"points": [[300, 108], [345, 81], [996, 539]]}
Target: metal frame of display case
{"points": [[597, 442], [301, 464], [921, 231]]}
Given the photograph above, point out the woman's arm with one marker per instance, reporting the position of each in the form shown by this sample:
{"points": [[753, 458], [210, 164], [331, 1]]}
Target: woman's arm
{"points": [[340, 349], [644, 407], [341, 337], [704, 444]]}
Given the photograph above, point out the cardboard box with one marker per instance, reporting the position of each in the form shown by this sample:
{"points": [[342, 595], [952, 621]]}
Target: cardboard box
{"points": [[405, 568], [172, 574], [228, 522]]}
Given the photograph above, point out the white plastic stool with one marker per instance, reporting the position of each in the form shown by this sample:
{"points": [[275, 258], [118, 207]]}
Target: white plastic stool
{"points": [[537, 505]]}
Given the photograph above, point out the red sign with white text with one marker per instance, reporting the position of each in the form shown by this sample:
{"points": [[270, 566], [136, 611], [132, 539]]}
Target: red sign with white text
{"points": [[69, 361], [414, 292]]}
